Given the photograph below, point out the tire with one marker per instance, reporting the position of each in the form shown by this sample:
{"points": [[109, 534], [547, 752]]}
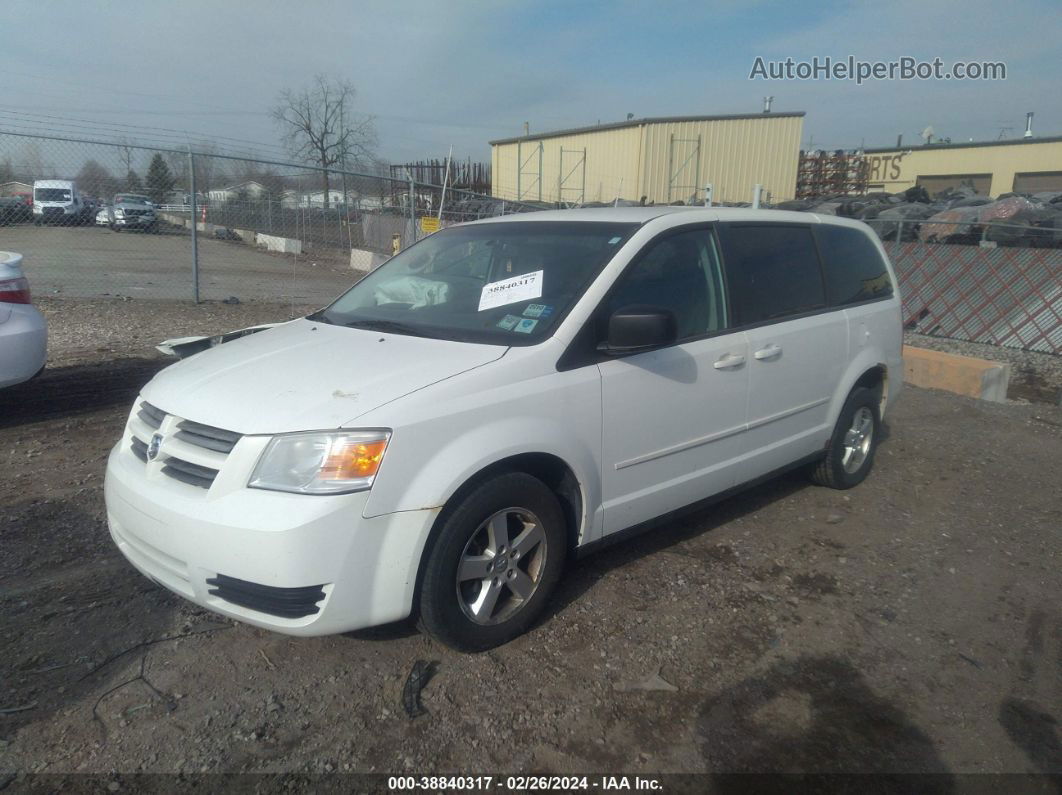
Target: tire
{"points": [[850, 455], [114, 228], [469, 612]]}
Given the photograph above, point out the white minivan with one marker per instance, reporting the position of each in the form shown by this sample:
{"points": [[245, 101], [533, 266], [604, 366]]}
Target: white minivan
{"points": [[497, 398]]}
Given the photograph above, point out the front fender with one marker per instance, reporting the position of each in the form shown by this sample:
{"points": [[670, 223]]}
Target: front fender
{"points": [[433, 480]]}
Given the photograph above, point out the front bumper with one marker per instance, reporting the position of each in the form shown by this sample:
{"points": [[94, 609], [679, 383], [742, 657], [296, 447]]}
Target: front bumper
{"points": [[139, 222], [261, 549]]}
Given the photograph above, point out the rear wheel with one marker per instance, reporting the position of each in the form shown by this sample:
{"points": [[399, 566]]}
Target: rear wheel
{"points": [[496, 560], [850, 455]]}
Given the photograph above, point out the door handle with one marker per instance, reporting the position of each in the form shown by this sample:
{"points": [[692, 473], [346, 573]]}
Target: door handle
{"points": [[728, 361], [770, 352]]}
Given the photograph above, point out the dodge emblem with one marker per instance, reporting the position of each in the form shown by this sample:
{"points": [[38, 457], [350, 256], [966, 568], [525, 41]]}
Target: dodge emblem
{"points": [[153, 448]]}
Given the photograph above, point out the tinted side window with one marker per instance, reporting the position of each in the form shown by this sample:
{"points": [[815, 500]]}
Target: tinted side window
{"points": [[681, 272], [852, 265], [772, 271]]}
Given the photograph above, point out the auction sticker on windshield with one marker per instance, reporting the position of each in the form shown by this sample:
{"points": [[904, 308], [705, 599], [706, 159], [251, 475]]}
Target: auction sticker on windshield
{"points": [[511, 291]]}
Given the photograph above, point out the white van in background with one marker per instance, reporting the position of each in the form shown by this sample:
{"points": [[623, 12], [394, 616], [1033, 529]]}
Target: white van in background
{"points": [[58, 201]]}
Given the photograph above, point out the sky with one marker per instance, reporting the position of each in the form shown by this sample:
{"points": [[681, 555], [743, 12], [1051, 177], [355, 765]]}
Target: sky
{"points": [[460, 73]]}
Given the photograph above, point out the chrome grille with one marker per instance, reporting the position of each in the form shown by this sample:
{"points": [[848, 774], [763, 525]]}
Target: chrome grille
{"points": [[207, 436], [187, 472], [151, 416], [139, 449], [191, 452]]}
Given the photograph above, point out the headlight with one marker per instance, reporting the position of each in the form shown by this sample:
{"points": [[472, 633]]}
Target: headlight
{"points": [[119, 213], [321, 463]]}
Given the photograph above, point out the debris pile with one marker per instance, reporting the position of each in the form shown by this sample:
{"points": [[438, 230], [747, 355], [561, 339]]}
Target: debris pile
{"points": [[956, 215]]}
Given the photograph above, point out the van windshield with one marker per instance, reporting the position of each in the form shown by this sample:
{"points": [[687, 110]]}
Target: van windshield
{"points": [[51, 195], [506, 283]]}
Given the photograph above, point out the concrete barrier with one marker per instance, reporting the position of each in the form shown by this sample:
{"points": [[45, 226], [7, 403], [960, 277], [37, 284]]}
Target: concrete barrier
{"points": [[246, 235], [963, 375], [285, 245], [364, 260]]}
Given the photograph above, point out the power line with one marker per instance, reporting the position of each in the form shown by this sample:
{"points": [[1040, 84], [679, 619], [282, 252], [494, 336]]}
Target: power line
{"points": [[112, 127]]}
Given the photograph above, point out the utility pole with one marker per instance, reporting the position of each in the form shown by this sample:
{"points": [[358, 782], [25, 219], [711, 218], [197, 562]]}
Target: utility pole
{"points": [[195, 237], [446, 179]]}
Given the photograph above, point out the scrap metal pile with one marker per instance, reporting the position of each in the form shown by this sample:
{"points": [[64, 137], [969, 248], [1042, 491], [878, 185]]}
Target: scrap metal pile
{"points": [[957, 215]]}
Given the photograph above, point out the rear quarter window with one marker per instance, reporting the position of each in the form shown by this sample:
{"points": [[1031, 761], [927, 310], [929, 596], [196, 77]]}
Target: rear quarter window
{"points": [[852, 265]]}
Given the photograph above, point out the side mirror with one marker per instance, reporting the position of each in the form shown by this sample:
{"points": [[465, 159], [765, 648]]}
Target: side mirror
{"points": [[638, 328]]}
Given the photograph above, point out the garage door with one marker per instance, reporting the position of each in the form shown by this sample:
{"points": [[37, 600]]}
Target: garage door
{"points": [[936, 183], [1037, 181]]}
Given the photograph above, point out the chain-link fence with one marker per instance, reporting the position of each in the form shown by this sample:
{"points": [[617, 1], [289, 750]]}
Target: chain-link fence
{"points": [[95, 219]]}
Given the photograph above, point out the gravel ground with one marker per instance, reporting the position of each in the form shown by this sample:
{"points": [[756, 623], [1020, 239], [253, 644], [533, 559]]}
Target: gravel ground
{"points": [[911, 624], [1034, 377], [88, 262], [96, 330]]}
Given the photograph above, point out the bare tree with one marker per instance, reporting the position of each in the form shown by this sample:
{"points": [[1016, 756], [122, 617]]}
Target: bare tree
{"points": [[96, 180], [317, 126], [208, 168]]}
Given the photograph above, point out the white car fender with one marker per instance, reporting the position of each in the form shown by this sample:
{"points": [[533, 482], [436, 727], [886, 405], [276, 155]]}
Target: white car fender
{"points": [[435, 480]]}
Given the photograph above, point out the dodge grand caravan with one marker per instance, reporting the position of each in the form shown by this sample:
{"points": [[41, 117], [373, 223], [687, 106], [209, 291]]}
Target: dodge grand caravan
{"points": [[497, 398]]}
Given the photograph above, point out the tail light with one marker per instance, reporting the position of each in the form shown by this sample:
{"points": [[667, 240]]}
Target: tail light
{"points": [[14, 291]]}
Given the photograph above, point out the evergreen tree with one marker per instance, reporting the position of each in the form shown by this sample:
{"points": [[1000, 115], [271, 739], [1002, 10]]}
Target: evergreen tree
{"points": [[133, 183], [160, 179]]}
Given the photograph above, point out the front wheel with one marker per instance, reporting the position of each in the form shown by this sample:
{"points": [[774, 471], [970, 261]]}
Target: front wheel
{"points": [[496, 560], [850, 455]]}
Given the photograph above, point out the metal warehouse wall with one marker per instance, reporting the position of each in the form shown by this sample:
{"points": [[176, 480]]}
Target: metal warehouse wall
{"points": [[664, 160], [612, 167], [898, 169], [734, 155]]}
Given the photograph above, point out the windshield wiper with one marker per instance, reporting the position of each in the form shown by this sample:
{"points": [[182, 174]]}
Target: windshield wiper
{"points": [[387, 325]]}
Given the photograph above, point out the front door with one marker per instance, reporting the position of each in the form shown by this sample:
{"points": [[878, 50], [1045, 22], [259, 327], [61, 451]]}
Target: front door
{"points": [[673, 418]]}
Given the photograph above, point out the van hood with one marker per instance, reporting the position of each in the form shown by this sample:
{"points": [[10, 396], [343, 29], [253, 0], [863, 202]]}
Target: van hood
{"points": [[306, 375]]}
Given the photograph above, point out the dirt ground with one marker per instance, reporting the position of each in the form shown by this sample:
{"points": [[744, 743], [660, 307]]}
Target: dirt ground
{"points": [[913, 624]]}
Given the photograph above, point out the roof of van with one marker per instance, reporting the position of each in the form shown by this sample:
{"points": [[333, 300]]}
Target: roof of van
{"points": [[53, 183], [640, 215]]}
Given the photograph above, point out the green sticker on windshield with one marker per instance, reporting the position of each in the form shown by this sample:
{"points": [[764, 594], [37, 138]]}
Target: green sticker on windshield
{"points": [[508, 322], [538, 310], [526, 325]]}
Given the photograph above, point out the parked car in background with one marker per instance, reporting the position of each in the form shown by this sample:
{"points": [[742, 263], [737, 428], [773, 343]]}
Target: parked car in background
{"points": [[15, 209], [133, 211], [498, 397], [58, 201], [103, 215], [23, 331]]}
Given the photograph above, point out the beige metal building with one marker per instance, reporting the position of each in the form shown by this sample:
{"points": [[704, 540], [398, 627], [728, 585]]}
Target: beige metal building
{"points": [[1026, 165], [662, 159]]}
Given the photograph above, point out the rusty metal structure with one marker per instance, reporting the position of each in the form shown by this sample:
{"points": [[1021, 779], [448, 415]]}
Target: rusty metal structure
{"points": [[822, 173], [464, 175]]}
